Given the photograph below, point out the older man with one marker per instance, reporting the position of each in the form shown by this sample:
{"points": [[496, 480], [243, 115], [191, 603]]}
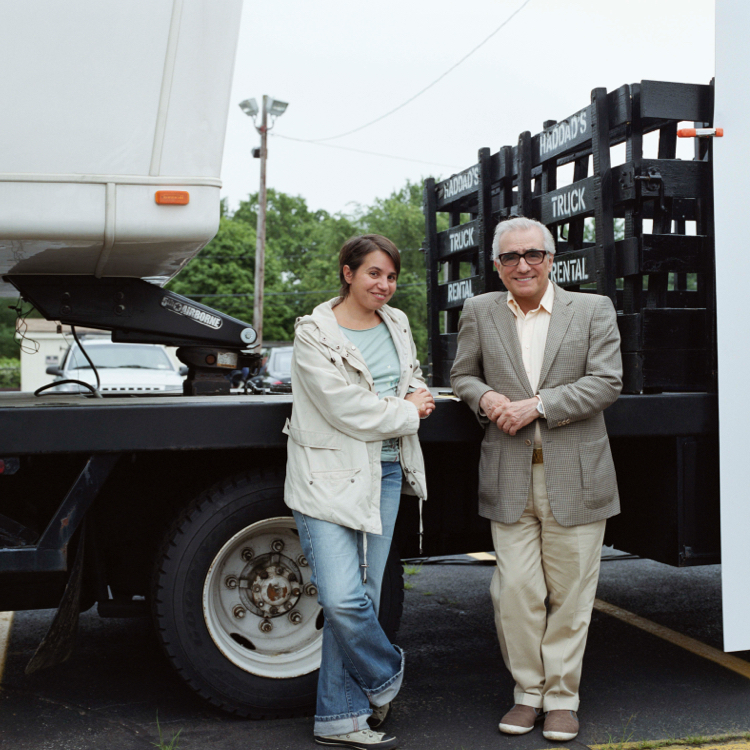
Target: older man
{"points": [[538, 365]]}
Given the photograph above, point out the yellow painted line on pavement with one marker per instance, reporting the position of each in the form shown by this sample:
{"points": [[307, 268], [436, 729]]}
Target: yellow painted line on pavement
{"points": [[740, 666], [482, 555], [708, 745], [689, 644], [6, 621]]}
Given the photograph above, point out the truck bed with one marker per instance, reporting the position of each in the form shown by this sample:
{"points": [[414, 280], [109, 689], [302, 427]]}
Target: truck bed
{"points": [[74, 423]]}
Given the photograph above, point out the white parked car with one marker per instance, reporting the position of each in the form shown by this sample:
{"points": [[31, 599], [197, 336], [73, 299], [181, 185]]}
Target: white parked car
{"points": [[122, 368]]}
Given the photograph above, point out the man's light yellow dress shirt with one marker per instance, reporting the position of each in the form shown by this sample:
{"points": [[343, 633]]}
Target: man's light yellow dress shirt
{"points": [[532, 334]]}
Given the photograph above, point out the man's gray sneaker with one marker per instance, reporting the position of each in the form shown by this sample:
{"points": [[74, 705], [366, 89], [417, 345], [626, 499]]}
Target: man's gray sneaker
{"points": [[378, 715], [560, 725], [520, 719], [364, 739]]}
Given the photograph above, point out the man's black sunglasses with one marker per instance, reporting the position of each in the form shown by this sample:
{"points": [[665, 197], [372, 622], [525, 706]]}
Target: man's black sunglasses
{"points": [[532, 257]]}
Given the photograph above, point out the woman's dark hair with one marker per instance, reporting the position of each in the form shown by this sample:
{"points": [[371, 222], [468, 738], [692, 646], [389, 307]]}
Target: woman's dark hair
{"points": [[355, 250]]}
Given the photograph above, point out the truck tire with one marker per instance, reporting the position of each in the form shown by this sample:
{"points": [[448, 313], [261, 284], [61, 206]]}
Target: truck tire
{"points": [[233, 604]]}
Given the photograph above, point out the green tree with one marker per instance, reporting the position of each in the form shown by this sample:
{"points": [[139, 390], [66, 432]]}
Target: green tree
{"points": [[589, 229], [301, 258], [10, 373], [224, 267], [8, 343]]}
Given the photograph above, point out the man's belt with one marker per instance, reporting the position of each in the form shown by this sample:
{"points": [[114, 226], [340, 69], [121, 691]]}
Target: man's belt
{"points": [[537, 457]]}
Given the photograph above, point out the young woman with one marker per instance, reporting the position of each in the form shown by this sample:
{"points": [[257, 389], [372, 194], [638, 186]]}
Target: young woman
{"points": [[353, 448]]}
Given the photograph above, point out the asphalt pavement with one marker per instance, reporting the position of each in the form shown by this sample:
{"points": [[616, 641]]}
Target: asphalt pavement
{"points": [[636, 685]]}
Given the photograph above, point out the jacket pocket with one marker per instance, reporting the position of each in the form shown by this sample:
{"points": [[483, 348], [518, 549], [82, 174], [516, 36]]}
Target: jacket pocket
{"points": [[338, 475], [598, 478], [490, 470], [323, 454], [313, 438]]}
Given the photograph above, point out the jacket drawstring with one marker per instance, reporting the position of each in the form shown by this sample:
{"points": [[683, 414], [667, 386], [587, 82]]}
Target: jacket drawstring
{"points": [[421, 527], [364, 565]]}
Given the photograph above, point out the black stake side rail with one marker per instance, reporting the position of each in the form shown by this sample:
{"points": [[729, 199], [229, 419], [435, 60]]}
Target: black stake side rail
{"points": [[660, 281]]}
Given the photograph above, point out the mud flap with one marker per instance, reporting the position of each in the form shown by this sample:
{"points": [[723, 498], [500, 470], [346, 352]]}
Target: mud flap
{"points": [[57, 646]]}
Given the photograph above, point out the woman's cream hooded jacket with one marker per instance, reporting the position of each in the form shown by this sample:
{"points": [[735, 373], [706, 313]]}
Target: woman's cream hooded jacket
{"points": [[338, 423]]}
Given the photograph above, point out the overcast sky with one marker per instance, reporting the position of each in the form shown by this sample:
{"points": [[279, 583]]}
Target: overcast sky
{"points": [[342, 64]]}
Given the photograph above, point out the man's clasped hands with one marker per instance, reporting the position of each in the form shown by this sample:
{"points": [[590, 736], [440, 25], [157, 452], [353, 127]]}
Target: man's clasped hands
{"points": [[509, 416]]}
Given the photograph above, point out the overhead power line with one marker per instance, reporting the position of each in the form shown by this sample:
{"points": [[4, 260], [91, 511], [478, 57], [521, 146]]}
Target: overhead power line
{"points": [[426, 88], [361, 151]]}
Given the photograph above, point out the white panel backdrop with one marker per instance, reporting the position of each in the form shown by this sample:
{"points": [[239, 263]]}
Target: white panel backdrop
{"points": [[733, 286]]}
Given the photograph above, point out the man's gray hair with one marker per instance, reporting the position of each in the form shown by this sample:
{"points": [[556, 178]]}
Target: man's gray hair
{"points": [[522, 223]]}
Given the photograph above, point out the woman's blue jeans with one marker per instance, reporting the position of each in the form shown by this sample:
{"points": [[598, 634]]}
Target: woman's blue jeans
{"points": [[359, 666]]}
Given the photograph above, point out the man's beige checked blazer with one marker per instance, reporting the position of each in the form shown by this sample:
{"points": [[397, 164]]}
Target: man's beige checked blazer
{"points": [[581, 375]]}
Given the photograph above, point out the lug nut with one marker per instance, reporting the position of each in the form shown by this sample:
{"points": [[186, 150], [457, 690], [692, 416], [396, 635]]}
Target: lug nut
{"points": [[288, 605], [256, 589], [277, 545], [266, 626], [302, 561], [311, 589], [295, 618], [247, 554], [279, 571], [296, 592], [274, 610], [230, 582], [238, 612]]}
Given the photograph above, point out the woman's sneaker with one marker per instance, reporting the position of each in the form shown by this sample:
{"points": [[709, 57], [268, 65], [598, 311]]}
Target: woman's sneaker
{"points": [[364, 739], [378, 715]]}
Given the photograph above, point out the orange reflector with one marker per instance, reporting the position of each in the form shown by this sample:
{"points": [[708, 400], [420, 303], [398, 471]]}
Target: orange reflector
{"points": [[700, 133], [172, 197]]}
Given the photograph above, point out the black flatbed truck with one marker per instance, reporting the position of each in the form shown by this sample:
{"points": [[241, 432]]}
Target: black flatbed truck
{"points": [[174, 505]]}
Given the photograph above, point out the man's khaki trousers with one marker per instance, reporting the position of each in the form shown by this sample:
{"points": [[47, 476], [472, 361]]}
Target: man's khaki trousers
{"points": [[543, 645]]}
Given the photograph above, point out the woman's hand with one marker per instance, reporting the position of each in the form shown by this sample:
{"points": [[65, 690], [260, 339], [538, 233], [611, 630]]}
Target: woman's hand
{"points": [[423, 400]]}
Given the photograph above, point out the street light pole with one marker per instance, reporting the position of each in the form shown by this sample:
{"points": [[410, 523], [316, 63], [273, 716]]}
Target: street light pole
{"points": [[275, 108], [260, 243]]}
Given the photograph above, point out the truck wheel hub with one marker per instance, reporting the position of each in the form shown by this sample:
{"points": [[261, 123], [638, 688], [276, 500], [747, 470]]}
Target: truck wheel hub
{"points": [[268, 585], [279, 630]]}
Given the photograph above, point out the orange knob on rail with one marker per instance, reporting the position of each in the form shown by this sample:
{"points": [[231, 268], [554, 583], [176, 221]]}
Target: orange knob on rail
{"points": [[700, 133], [172, 197]]}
